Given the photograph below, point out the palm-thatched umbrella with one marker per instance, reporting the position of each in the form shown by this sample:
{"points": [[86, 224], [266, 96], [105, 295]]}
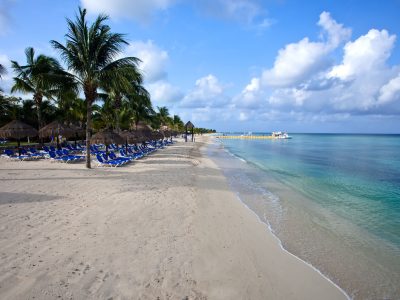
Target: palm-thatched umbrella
{"points": [[158, 135], [145, 130], [189, 126], [106, 137], [143, 126], [79, 132], [56, 128], [166, 133], [130, 137], [17, 129]]}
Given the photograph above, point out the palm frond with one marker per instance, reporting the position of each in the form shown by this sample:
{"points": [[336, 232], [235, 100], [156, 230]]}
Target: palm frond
{"points": [[21, 86]]}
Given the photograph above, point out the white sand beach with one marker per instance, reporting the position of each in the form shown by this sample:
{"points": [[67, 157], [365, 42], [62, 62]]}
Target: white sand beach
{"points": [[164, 227]]}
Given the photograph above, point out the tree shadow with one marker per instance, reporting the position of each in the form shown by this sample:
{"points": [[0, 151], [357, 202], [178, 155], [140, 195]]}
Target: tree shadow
{"points": [[15, 198]]}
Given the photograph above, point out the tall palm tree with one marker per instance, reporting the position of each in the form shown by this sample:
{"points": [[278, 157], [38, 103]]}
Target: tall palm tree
{"points": [[90, 53], [42, 76]]}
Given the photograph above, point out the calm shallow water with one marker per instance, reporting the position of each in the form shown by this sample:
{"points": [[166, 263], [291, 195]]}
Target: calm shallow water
{"points": [[333, 200]]}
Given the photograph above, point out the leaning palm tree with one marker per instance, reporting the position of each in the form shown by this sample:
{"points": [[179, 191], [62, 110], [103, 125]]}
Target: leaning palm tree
{"points": [[42, 76], [90, 53]]}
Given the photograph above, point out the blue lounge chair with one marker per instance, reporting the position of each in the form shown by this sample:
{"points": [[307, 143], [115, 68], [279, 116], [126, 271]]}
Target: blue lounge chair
{"points": [[114, 157], [46, 149], [33, 155], [107, 163], [35, 152], [123, 153], [54, 157], [107, 158], [136, 153], [75, 157], [10, 154]]}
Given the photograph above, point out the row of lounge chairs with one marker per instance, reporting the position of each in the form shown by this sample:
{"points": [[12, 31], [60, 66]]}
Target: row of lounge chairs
{"points": [[126, 154], [117, 157]]}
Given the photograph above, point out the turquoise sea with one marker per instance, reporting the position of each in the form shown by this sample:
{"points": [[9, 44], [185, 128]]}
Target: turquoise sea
{"points": [[332, 199]]}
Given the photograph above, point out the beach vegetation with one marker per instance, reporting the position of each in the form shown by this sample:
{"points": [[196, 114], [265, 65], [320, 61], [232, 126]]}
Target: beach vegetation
{"points": [[42, 76], [90, 52], [98, 88]]}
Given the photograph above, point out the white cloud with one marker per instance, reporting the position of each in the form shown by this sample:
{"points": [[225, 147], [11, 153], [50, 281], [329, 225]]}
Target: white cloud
{"points": [[139, 10], [162, 92], [154, 59], [304, 81], [298, 61], [368, 52], [390, 91], [250, 96], [247, 12], [208, 91], [336, 33], [154, 63]]}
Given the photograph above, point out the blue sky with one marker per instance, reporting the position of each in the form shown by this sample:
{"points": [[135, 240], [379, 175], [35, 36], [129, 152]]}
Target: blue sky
{"points": [[243, 65]]}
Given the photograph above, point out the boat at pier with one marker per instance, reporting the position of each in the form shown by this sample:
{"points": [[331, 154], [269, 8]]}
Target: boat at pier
{"points": [[280, 135]]}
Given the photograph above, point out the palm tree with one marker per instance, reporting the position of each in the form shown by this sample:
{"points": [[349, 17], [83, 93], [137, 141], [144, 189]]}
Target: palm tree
{"points": [[163, 114], [177, 123], [117, 91], [72, 109], [8, 106], [90, 53], [139, 104], [42, 76]]}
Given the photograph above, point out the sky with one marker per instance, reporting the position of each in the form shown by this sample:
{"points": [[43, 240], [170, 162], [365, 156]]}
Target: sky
{"points": [[242, 65]]}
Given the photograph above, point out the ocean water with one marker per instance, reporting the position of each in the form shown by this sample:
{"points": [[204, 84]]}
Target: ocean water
{"points": [[333, 200]]}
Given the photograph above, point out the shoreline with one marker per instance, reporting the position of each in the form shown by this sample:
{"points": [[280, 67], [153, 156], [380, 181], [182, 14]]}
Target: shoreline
{"points": [[265, 229], [359, 263], [166, 226]]}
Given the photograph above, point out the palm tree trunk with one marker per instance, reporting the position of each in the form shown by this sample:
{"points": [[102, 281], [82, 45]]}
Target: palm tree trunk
{"points": [[117, 120], [38, 101], [88, 128], [117, 108]]}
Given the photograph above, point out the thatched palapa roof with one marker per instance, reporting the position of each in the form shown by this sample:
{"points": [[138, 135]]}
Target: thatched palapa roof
{"points": [[107, 136], [17, 129], [56, 128], [189, 125]]}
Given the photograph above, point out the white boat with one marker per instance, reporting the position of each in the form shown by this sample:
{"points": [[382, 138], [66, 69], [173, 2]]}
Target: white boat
{"points": [[280, 135]]}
